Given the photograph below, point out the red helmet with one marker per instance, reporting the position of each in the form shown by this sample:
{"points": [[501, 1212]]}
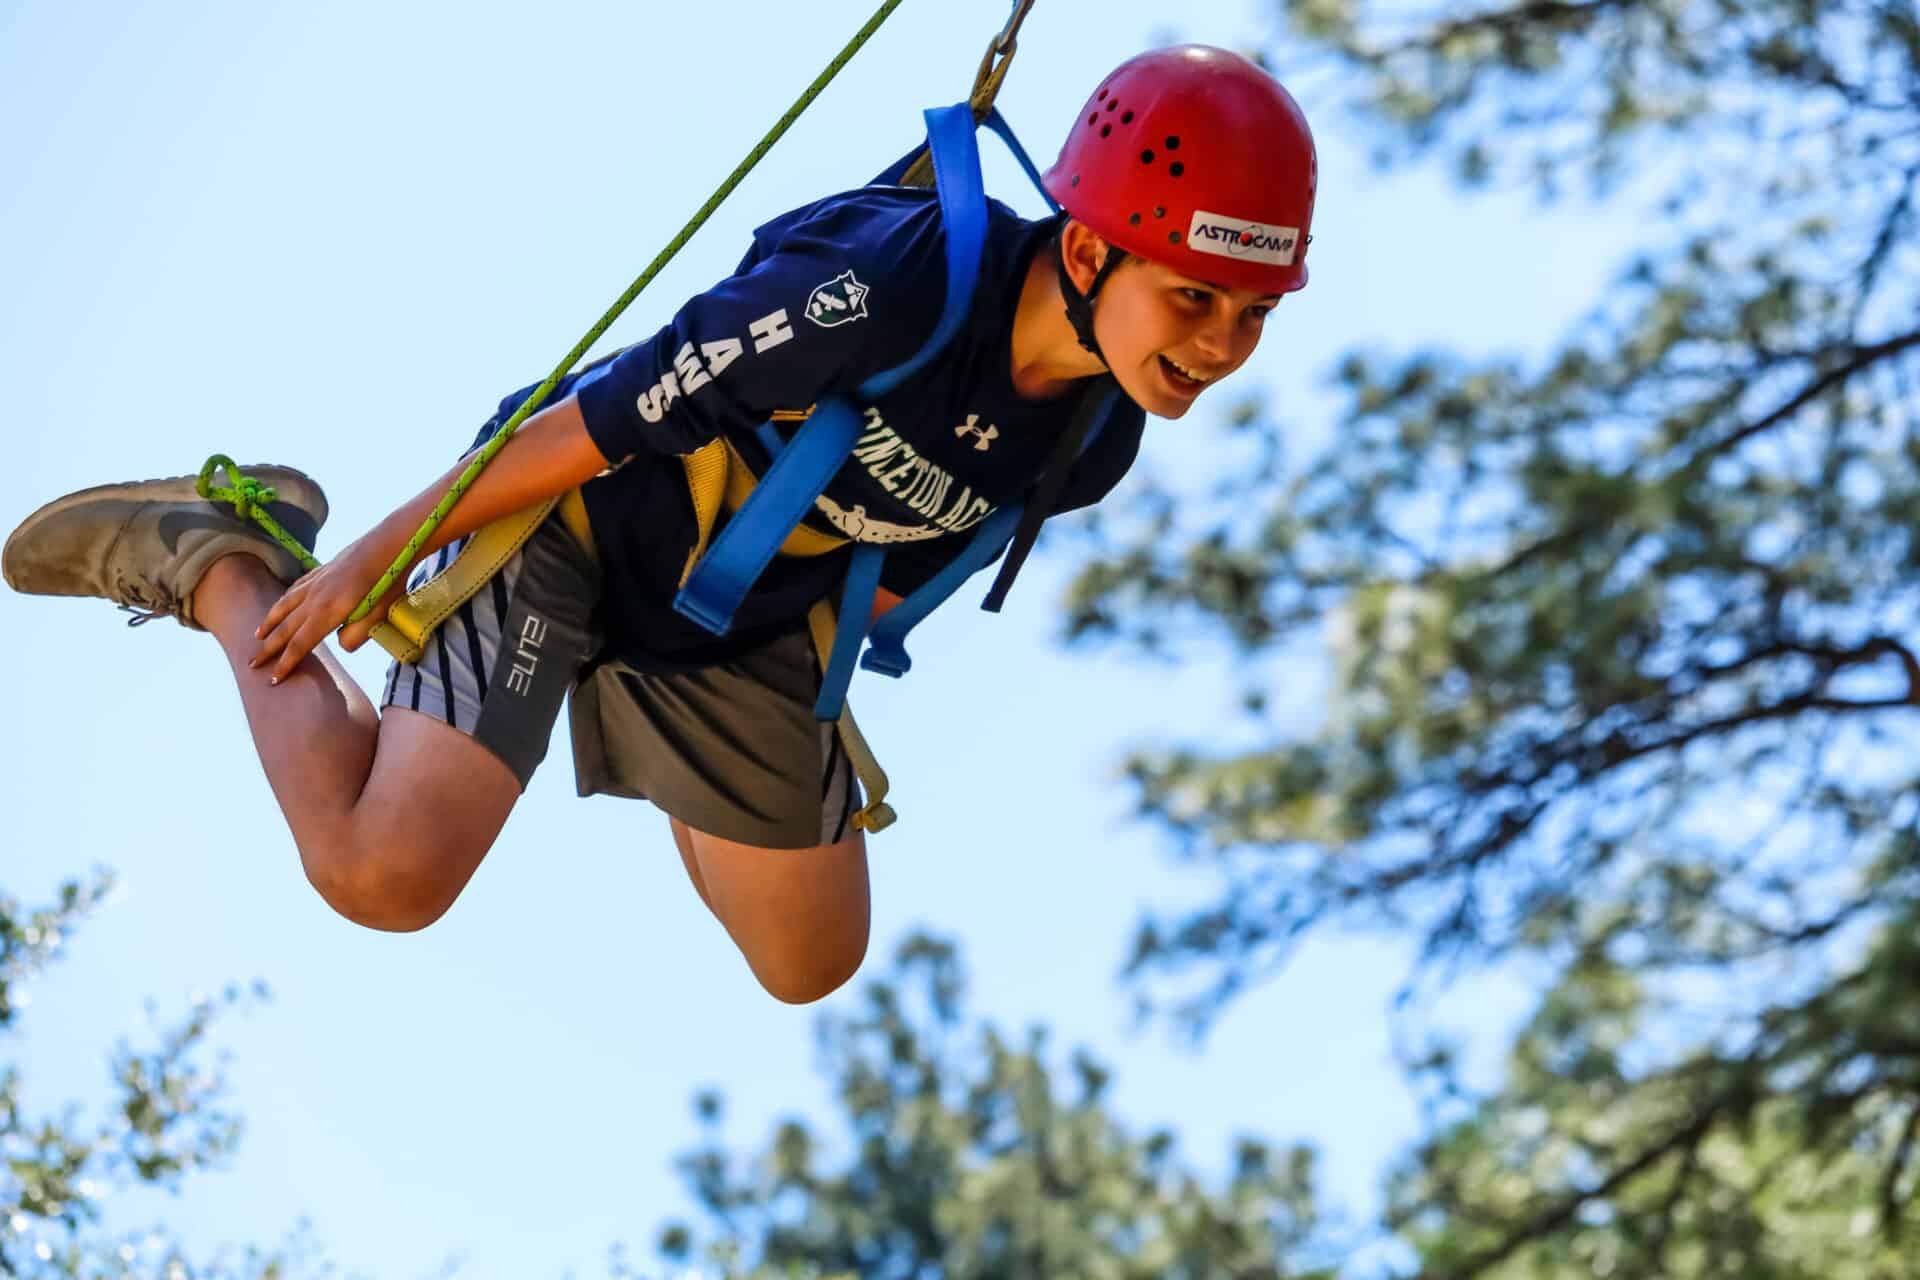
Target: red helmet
{"points": [[1196, 158]]}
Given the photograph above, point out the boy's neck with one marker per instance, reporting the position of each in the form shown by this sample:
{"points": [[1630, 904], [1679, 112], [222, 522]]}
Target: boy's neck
{"points": [[1047, 356]]}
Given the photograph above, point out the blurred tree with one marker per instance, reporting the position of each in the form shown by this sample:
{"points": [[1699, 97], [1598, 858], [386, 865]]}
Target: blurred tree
{"points": [[1623, 670], [167, 1120], [962, 1158]]}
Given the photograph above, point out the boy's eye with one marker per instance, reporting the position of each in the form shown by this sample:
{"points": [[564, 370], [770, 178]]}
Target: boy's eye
{"points": [[1204, 298]]}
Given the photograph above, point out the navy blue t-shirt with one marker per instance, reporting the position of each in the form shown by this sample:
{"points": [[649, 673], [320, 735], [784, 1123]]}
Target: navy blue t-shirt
{"points": [[829, 295]]}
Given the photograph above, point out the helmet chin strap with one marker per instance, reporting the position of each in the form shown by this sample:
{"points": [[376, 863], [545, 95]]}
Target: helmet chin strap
{"points": [[1080, 305]]}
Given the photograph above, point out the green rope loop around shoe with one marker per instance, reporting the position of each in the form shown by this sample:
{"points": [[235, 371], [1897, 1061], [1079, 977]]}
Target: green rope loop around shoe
{"points": [[249, 498]]}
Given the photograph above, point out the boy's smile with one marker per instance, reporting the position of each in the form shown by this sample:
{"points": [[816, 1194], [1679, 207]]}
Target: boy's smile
{"points": [[1166, 336]]}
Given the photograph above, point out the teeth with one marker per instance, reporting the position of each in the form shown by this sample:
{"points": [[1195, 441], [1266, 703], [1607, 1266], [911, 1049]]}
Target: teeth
{"points": [[1197, 377]]}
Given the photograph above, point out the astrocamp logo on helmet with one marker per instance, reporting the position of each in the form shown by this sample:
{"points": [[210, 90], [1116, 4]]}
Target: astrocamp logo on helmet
{"points": [[841, 300], [1231, 238]]}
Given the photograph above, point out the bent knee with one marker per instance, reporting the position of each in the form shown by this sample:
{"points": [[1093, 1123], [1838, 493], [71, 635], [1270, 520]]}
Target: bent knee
{"points": [[802, 976], [385, 887]]}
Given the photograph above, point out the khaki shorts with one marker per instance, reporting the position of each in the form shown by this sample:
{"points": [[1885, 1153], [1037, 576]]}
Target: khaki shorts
{"points": [[731, 750]]}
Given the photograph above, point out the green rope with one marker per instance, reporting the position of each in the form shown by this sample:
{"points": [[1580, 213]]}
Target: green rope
{"points": [[249, 498], [251, 505]]}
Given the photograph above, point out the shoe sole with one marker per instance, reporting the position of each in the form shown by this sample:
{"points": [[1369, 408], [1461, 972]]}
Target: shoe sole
{"points": [[165, 489]]}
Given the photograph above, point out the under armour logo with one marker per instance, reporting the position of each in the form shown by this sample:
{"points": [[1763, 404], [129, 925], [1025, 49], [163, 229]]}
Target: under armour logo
{"points": [[982, 438]]}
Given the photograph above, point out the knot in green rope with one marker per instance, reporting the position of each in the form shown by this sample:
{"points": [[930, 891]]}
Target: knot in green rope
{"points": [[249, 498], [250, 493]]}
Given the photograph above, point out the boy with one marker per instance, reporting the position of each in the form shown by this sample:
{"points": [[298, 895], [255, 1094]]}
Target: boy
{"points": [[1187, 187]]}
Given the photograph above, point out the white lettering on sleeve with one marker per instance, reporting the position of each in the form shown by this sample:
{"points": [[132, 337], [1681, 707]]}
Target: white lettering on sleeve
{"points": [[770, 331], [687, 365], [653, 404], [649, 404], [720, 354]]}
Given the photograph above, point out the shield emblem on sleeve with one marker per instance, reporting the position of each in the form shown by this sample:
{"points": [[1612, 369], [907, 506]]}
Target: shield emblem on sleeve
{"points": [[841, 300]]}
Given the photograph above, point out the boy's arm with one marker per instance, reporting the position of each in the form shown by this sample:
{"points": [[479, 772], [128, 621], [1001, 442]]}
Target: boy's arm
{"points": [[548, 455]]}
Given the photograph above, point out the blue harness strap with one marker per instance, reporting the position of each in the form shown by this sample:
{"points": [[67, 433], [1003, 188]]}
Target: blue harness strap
{"points": [[998, 123], [740, 554], [849, 629], [802, 469], [888, 652]]}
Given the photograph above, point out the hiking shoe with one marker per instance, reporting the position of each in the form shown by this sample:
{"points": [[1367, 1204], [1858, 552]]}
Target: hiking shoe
{"points": [[145, 545]]}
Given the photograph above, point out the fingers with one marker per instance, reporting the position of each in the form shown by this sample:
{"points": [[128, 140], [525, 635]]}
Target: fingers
{"points": [[288, 601], [273, 634], [303, 642], [354, 634], [310, 610], [297, 624], [289, 641]]}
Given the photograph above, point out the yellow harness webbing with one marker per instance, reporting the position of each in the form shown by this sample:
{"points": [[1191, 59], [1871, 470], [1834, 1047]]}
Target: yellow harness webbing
{"points": [[716, 476], [415, 615], [878, 814]]}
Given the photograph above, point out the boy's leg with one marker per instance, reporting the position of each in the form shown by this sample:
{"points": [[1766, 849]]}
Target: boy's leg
{"points": [[761, 798], [392, 814], [391, 818], [799, 916]]}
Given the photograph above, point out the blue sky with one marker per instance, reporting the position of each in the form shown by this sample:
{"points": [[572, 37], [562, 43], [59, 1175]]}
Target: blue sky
{"points": [[332, 236]]}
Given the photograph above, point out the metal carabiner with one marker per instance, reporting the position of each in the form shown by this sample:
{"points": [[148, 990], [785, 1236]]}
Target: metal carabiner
{"points": [[1004, 42], [986, 85]]}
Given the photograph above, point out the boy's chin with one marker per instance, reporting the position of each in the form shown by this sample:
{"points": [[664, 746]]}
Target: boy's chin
{"points": [[1157, 400]]}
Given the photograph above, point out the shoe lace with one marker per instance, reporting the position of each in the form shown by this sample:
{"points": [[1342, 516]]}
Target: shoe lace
{"points": [[147, 601]]}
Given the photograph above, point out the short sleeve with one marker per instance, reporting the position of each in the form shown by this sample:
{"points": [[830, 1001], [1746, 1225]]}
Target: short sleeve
{"points": [[829, 295]]}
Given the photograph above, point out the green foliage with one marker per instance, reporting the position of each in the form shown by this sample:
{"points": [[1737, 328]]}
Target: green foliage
{"points": [[1621, 676], [1784, 1150], [167, 1120], [963, 1156]]}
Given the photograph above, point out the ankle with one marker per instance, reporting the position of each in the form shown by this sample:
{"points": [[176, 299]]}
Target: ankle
{"points": [[234, 587]]}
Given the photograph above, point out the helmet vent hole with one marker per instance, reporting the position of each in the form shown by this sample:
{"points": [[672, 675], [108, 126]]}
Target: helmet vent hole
{"points": [[1146, 157], [1105, 129], [1126, 117], [1173, 144], [1173, 237], [1094, 118], [1100, 96], [1112, 103], [1134, 220], [1176, 168], [1159, 211], [1076, 180]]}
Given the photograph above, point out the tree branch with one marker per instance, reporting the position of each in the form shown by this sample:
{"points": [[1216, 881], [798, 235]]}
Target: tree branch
{"points": [[1685, 1139], [1883, 243], [1890, 1219], [1616, 749], [1862, 358], [1501, 20]]}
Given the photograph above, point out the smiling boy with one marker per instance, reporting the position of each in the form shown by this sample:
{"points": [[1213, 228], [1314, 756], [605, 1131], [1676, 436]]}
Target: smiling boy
{"points": [[1186, 186]]}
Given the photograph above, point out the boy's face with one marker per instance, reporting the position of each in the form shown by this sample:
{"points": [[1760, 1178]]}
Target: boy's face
{"points": [[1156, 326]]}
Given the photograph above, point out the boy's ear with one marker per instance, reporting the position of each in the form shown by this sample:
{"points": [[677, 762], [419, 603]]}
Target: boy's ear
{"points": [[1084, 251]]}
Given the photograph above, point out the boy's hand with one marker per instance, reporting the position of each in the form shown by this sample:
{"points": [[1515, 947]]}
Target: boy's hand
{"points": [[317, 604], [551, 454]]}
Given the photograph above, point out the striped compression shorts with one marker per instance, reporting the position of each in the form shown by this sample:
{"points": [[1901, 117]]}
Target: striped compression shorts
{"points": [[731, 750]]}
